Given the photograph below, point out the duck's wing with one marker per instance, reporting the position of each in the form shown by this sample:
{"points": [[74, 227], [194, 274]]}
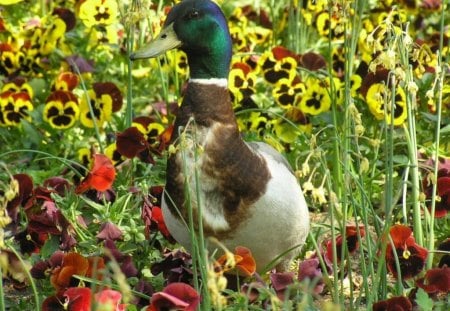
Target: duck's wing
{"points": [[263, 148]]}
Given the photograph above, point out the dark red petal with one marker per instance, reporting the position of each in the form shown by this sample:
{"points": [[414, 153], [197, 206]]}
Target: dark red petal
{"points": [[393, 304], [400, 234], [131, 142], [109, 231]]}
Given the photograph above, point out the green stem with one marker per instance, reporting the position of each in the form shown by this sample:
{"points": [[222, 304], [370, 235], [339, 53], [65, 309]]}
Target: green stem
{"points": [[437, 138], [30, 278]]}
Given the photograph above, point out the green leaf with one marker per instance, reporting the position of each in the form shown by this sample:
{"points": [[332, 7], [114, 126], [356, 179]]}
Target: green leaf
{"points": [[424, 302], [50, 246]]}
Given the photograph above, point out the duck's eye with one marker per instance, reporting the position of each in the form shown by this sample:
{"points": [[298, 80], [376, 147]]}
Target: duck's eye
{"points": [[193, 14]]}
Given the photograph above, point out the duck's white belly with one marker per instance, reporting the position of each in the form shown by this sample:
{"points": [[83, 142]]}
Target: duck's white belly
{"points": [[279, 221]]}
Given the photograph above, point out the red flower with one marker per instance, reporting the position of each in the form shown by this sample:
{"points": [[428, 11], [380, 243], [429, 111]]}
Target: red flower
{"points": [[411, 256], [78, 298], [108, 299], [393, 304], [178, 296], [442, 206], [101, 176], [351, 237], [435, 280], [152, 213]]}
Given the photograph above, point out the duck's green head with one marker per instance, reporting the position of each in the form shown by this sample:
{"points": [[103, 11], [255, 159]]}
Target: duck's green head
{"points": [[199, 28]]}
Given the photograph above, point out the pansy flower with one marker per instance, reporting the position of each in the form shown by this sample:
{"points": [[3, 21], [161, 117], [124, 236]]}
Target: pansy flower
{"points": [[287, 129], [18, 85], [72, 264], [445, 247], [442, 204], [317, 97], [288, 93], [175, 296], [276, 65], [144, 138], [10, 58], [242, 260], [97, 12], [104, 99], [436, 280], [411, 256], [242, 81], [109, 299], [152, 213], [61, 109], [112, 153], [376, 90], [23, 194], [66, 81], [15, 107], [100, 177], [400, 303], [254, 122], [326, 23], [175, 267], [109, 231], [351, 239], [310, 269]]}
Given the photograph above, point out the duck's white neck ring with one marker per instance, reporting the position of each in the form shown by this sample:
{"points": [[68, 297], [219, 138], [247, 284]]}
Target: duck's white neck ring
{"points": [[222, 82]]}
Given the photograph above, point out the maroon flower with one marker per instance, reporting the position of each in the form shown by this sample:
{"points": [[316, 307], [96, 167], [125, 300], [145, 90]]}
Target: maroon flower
{"points": [[25, 191], [109, 231], [435, 280], [309, 269], [400, 303], [442, 206], [411, 256], [280, 283], [445, 259], [131, 142], [175, 267], [178, 296], [351, 237], [125, 261]]}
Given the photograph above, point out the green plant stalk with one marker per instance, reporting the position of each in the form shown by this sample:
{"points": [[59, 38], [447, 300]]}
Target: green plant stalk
{"points": [[411, 139], [203, 258], [129, 47], [91, 110], [37, 301], [188, 200], [2, 293], [430, 245]]}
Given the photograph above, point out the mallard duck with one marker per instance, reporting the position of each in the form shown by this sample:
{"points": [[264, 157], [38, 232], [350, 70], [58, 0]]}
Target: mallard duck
{"points": [[248, 193]]}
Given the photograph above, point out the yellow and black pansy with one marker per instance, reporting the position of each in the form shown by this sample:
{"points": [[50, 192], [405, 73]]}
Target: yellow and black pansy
{"points": [[14, 107], [276, 66], [288, 93], [317, 98], [61, 110], [242, 81], [97, 12], [104, 99]]}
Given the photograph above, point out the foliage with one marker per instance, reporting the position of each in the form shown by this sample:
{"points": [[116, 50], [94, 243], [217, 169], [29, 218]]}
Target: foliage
{"points": [[356, 94]]}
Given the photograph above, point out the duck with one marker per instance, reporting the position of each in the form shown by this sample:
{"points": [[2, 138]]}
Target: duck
{"points": [[246, 192]]}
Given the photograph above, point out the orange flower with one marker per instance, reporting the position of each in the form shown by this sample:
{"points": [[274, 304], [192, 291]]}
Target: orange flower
{"points": [[72, 264], [101, 176], [244, 261]]}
